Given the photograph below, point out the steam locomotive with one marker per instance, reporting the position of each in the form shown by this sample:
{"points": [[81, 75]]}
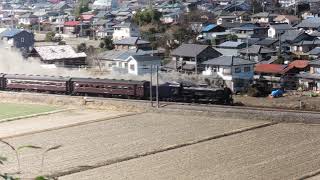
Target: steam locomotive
{"points": [[112, 88]]}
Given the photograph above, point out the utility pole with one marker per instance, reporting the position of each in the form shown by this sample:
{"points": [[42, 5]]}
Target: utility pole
{"points": [[151, 96], [157, 86]]}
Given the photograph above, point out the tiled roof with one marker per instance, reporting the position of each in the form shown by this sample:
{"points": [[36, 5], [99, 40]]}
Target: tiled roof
{"points": [[209, 27], [58, 52], [309, 23], [257, 49], [71, 23], [189, 50], [270, 68], [315, 62], [231, 44], [10, 32], [228, 61], [315, 51], [301, 64]]}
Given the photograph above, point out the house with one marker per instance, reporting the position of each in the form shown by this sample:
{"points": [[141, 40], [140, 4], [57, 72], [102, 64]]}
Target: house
{"points": [[235, 71], [61, 6], [103, 28], [309, 25], [291, 37], [249, 30], [230, 48], [275, 30], [18, 38], [60, 55], [28, 19], [288, 19], [268, 42], [105, 4], [170, 18], [131, 43], [263, 17], [189, 57], [76, 28], [314, 53], [142, 64], [115, 60], [87, 17], [311, 80], [287, 3], [211, 31], [241, 16], [125, 30], [225, 19], [257, 53], [281, 75]]}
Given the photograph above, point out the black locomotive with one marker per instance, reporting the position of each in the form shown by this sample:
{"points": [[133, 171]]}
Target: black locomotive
{"points": [[113, 88]]}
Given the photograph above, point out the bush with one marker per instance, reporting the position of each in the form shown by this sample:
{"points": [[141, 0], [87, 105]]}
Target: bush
{"points": [[253, 92], [50, 36]]}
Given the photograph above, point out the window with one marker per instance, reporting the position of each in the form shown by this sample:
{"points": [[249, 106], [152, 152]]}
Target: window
{"points": [[237, 70], [247, 69], [132, 67], [22, 40]]}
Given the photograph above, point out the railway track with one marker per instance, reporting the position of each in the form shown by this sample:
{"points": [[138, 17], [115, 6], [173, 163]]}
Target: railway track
{"points": [[179, 105]]}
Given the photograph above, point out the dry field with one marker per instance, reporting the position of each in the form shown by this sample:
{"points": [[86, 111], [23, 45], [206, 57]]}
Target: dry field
{"points": [[96, 144], [282, 151]]}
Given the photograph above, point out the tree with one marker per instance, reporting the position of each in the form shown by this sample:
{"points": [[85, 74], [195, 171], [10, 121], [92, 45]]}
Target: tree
{"points": [[182, 34], [232, 37], [83, 6], [107, 43], [50, 36], [256, 6], [147, 16], [82, 47]]}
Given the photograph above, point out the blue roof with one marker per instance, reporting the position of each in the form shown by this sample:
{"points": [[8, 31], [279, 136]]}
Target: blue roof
{"points": [[10, 32], [208, 27]]}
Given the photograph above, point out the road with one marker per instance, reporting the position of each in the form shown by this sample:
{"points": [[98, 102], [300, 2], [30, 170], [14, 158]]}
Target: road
{"points": [[164, 146]]}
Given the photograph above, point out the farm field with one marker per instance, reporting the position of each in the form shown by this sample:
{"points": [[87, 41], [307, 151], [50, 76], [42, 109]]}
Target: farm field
{"points": [[109, 144], [100, 142], [11, 110], [282, 151]]}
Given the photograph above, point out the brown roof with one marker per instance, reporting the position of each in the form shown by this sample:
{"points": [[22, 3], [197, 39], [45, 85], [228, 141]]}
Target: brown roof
{"points": [[289, 17]]}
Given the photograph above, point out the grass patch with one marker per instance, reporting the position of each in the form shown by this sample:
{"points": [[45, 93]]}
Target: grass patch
{"points": [[10, 110]]}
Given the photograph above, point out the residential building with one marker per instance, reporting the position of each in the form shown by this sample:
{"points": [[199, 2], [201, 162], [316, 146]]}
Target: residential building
{"points": [[263, 17], [125, 30], [291, 37], [309, 25], [132, 43], [235, 71], [230, 48], [18, 38], [257, 53], [142, 64], [212, 31], [275, 30], [28, 19], [249, 30], [60, 55], [170, 18], [288, 19], [311, 80], [281, 75], [189, 57]]}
